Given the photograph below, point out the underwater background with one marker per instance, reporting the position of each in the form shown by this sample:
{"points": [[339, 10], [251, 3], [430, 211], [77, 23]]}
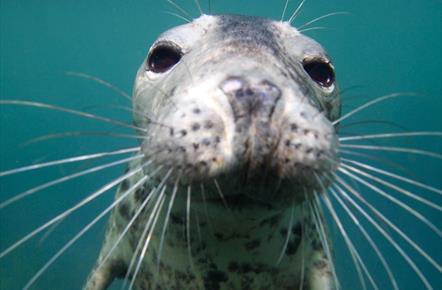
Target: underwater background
{"points": [[381, 47]]}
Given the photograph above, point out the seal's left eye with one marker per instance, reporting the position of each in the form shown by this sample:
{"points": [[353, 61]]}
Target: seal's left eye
{"points": [[320, 71], [163, 57]]}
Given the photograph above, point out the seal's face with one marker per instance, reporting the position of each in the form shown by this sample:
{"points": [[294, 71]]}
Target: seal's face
{"points": [[254, 105]]}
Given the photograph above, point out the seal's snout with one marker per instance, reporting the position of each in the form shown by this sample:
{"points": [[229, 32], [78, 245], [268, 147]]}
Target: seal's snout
{"points": [[253, 103], [248, 99]]}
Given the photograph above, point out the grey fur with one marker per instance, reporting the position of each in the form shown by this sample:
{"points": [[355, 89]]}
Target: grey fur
{"points": [[239, 112]]}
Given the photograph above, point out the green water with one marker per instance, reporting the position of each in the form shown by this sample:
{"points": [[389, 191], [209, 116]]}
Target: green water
{"points": [[382, 47]]}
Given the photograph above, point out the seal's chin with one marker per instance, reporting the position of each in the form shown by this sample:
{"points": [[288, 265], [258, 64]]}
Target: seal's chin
{"points": [[262, 186]]}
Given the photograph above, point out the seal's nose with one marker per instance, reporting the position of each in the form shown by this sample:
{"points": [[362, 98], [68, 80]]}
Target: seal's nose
{"points": [[251, 99]]}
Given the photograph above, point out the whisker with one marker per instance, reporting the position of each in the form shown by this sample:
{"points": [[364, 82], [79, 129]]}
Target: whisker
{"points": [[142, 114], [285, 10], [143, 205], [353, 253], [206, 211], [382, 160], [166, 221], [395, 176], [101, 82], [67, 212], [186, 16], [287, 239], [317, 219], [83, 231], [221, 195], [161, 200], [371, 122], [297, 11], [404, 206], [391, 135], [70, 111], [189, 248], [69, 160], [198, 5], [369, 104], [394, 187], [177, 15], [301, 285], [313, 28], [77, 134], [381, 230], [348, 241], [160, 189], [368, 238], [394, 149], [49, 184], [157, 191], [323, 17]]}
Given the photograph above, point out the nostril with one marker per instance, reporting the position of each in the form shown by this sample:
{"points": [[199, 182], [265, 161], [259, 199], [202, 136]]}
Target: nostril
{"points": [[232, 85]]}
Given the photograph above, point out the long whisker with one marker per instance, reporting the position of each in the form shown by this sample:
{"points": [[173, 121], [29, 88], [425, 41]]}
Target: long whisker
{"points": [[353, 253], [301, 285], [296, 13], [67, 212], [156, 192], [322, 17], [412, 211], [69, 160], [162, 198], [285, 10], [348, 241], [83, 231], [368, 238], [394, 187], [166, 221], [189, 247], [390, 135], [366, 156], [369, 104], [313, 28], [287, 239], [394, 149], [395, 176], [197, 2], [178, 16], [64, 179], [316, 214], [77, 134], [186, 16], [143, 205], [372, 122], [381, 230], [160, 189], [101, 82], [206, 211], [70, 111], [221, 195]]}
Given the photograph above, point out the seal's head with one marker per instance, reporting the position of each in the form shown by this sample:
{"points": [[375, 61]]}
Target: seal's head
{"points": [[245, 100]]}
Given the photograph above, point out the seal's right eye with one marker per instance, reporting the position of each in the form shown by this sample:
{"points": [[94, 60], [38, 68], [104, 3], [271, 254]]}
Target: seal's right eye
{"points": [[163, 57]]}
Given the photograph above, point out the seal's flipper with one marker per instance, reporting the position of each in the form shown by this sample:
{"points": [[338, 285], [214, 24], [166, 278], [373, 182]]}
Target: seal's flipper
{"points": [[319, 275], [100, 278]]}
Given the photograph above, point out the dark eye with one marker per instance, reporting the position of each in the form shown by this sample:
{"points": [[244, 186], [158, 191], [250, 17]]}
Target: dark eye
{"points": [[320, 71], [163, 57]]}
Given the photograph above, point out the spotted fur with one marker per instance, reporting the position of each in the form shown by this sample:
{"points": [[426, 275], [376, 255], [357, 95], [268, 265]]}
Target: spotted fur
{"points": [[238, 116]]}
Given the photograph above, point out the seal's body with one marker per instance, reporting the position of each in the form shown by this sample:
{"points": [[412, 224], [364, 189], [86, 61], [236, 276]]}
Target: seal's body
{"points": [[235, 122]]}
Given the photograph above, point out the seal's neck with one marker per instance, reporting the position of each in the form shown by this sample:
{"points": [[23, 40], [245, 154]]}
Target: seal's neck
{"points": [[232, 243]]}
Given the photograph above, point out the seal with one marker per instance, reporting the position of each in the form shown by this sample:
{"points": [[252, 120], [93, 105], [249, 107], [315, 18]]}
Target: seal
{"points": [[237, 168], [236, 123]]}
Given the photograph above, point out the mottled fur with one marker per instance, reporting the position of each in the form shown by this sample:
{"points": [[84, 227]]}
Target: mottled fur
{"points": [[238, 117]]}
